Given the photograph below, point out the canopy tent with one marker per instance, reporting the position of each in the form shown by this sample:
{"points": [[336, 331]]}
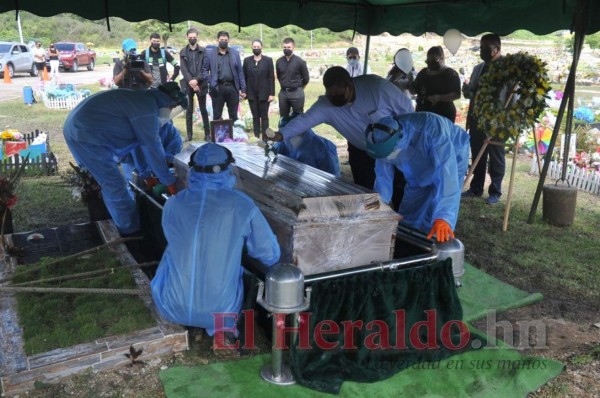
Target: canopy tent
{"points": [[369, 17]]}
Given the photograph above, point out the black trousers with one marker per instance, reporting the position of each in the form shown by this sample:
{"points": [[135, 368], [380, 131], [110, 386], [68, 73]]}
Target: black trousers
{"points": [[291, 100], [497, 165], [362, 167], [363, 173], [260, 115], [225, 94], [189, 114]]}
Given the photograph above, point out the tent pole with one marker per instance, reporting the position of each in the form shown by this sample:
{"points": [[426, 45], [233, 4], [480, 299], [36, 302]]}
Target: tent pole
{"points": [[367, 48], [511, 186], [580, 24]]}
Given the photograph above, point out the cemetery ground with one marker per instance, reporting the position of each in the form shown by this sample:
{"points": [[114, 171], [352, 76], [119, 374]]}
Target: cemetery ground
{"points": [[561, 263]]}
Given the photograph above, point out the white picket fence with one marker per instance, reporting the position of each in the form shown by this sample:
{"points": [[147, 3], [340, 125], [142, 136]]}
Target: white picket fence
{"points": [[578, 178]]}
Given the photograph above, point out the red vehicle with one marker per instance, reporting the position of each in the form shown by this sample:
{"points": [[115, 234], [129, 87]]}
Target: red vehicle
{"points": [[74, 55]]}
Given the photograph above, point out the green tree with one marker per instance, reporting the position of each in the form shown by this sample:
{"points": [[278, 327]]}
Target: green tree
{"points": [[593, 40]]}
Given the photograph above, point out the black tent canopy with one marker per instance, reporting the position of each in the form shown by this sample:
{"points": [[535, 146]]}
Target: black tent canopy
{"points": [[370, 17]]}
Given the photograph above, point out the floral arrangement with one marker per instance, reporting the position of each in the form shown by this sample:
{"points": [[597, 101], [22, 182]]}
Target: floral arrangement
{"points": [[11, 135], [558, 95], [106, 82], [584, 114], [511, 95]]}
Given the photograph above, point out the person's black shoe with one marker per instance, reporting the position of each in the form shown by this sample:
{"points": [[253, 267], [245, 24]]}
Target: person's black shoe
{"points": [[492, 199], [470, 194]]}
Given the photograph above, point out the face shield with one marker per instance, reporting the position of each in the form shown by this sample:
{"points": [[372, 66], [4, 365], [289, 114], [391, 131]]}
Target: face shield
{"points": [[381, 138], [214, 164]]}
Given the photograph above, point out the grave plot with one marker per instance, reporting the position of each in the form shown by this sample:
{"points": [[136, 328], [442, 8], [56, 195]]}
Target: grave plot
{"points": [[46, 353]]}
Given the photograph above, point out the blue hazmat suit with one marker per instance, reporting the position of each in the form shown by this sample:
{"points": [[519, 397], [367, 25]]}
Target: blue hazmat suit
{"points": [[172, 143], [206, 227], [433, 155], [109, 125], [311, 149]]}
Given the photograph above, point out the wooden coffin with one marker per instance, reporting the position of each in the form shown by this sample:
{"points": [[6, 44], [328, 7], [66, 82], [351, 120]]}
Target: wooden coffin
{"points": [[322, 222]]}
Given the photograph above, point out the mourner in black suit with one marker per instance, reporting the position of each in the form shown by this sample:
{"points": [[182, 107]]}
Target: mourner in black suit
{"points": [[222, 68], [260, 87]]}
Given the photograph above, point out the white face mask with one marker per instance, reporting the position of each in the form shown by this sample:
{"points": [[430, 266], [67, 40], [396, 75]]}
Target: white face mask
{"points": [[166, 114]]}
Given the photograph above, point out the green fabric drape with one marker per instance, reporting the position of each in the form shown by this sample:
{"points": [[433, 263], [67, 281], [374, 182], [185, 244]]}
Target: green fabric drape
{"points": [[373, 17], [375, 296]]}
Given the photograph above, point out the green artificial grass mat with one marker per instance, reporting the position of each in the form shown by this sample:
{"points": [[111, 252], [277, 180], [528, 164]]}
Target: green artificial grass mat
{"points": [[497, 372], [492, 371], [481, 293]]}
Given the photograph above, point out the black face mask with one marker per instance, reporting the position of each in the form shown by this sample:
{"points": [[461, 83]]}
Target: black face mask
{"points": [[287, 52], [337, 100], [223, 44], [256, 51], [486, 54], [192, 41], [434, 66], [156, 45]]}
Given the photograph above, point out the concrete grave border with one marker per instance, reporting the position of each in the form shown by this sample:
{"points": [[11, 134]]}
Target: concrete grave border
{"points": [[19, 372]]}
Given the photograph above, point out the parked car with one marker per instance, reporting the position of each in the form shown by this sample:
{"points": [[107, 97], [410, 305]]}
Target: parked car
{"points": [[74, 55], [17, 57], [172, 50]]}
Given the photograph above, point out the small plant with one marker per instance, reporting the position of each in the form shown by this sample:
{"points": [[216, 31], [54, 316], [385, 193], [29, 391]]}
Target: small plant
{"points": [[133, 355]]}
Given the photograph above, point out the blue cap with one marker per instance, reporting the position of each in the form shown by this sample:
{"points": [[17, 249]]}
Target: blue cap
{"points": [[129, 44], [211, 158], [381, 137]]}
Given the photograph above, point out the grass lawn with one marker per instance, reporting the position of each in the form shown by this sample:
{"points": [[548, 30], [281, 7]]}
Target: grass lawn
{"points": [[55, 320]]}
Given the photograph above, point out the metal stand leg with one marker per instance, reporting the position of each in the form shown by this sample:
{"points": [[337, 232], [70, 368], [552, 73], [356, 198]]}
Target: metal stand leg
{"points": [[277, 372]]}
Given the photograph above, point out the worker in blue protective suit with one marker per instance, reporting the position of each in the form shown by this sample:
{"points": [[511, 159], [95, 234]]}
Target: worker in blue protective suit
{"points": [[109, 125], [433, 155], [172, 143], [310, 149], [207, 226]]}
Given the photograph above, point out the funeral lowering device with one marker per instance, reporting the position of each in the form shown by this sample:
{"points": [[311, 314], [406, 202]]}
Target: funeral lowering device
{"points": [[284, 295]]}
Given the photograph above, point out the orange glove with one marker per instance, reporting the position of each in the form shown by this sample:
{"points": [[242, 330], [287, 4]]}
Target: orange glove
{"points": [[172, 190], [441, 229], [151, 182]]}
